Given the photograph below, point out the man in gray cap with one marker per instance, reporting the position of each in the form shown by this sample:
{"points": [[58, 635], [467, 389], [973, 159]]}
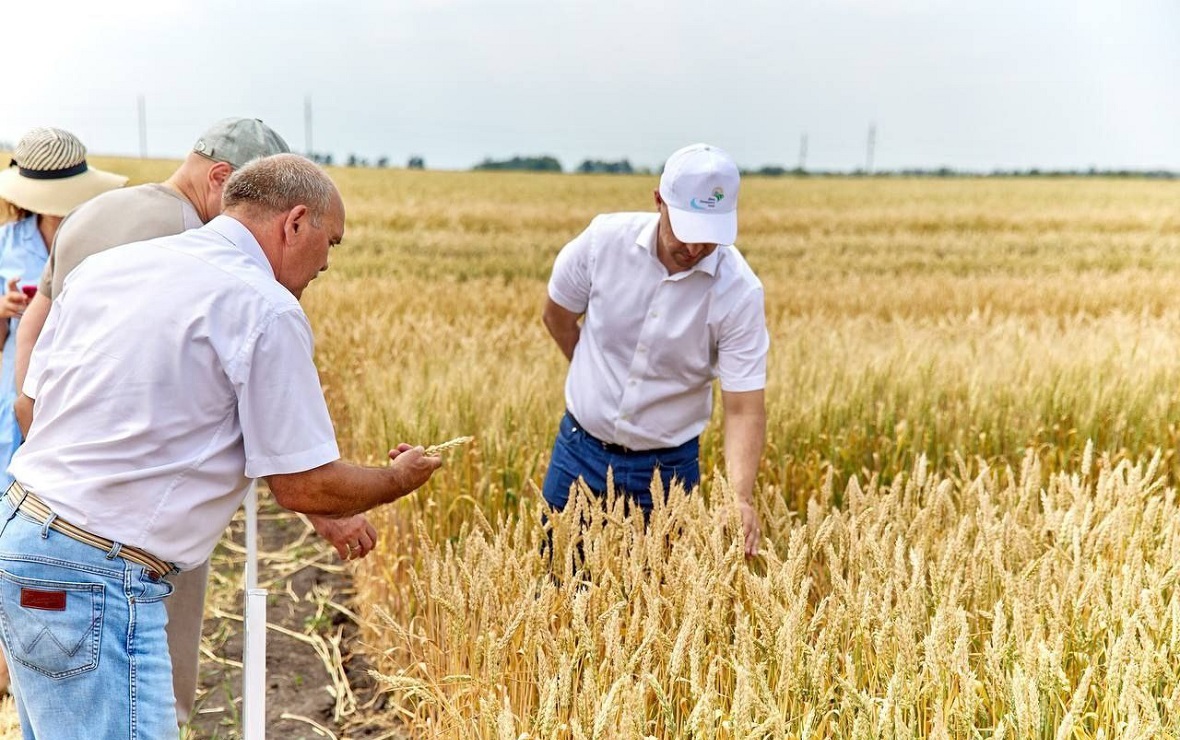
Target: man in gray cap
{"points": [[189, 198]]}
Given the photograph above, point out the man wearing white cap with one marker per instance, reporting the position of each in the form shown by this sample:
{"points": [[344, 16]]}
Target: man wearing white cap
{"points": [[189, 198], [649, 308]]}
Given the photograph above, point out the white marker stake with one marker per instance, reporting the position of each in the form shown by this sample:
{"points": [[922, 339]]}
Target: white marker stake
{"points": [[252, 536], [254, 644]]}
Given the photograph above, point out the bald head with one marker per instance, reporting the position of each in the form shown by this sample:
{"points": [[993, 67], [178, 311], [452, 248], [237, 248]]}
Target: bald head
{"points": [[276, 184], [200, 180]]}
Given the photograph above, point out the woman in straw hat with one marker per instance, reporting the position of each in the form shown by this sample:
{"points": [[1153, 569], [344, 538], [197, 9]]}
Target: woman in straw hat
{"points": [[47, 178]]}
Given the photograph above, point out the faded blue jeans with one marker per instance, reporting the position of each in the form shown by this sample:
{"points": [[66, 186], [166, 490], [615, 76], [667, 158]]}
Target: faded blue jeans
{"points": [[83, 632], [576, 453]]}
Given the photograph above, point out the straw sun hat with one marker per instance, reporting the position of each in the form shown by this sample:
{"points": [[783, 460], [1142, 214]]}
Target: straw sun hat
{"points": [[48, 174]]}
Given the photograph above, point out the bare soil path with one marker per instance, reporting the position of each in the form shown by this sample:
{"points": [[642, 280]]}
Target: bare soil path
{"points": [[317, 687]]}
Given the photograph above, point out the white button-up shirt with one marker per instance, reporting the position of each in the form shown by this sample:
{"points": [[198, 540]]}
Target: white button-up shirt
{"points": [[651, 343], [169, 373]]}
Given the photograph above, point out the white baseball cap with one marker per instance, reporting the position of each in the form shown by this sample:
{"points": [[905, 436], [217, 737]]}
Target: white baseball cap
{"points": [[700, 187]]}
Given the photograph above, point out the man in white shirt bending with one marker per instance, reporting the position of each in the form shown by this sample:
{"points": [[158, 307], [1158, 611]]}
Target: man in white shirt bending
{"points": [[188, 199], [649, 308], [169, 374]]}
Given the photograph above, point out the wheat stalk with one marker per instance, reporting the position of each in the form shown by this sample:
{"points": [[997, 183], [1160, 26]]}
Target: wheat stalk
{"points": [[444, 446]]}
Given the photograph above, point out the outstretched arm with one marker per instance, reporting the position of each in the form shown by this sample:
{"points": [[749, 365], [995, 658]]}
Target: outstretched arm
{"points": [[341, 489], [353, 536], [745, 438]]}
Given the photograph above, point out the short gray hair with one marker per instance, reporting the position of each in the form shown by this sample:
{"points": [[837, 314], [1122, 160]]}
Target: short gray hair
{"points": [[278, 183]]}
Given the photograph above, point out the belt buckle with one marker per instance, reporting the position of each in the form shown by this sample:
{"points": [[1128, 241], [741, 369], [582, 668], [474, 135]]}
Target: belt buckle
{"points": [[617, 449]]}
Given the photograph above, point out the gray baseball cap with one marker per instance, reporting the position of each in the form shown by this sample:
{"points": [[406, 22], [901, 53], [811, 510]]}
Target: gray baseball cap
{"points": [[236, 141]]}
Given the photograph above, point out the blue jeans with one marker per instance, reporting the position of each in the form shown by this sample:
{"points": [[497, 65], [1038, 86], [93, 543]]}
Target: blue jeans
{"points": [[83, 631], [577, 454]]}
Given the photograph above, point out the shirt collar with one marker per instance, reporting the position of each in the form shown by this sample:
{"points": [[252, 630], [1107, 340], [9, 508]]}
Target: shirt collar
{"points": [[234, 232], [27, 230], [709, 264], [647, 236], [647, 240]]}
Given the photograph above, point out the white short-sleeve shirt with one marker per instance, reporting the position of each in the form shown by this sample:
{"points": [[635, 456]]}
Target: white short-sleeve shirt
{"points": [[169, 373], [651, 342]]}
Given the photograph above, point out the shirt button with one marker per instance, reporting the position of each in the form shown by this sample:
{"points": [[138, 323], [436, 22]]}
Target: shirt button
{"points": [[633, 381], [642, 348]]}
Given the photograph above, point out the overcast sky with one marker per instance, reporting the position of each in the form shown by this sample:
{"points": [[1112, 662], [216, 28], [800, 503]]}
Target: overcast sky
{"points": [[971, 85]]}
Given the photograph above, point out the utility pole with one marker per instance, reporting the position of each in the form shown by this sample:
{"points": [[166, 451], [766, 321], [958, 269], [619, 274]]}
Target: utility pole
{"points": [[870, 147], [803, 152], [308, 149], [142, 127]]}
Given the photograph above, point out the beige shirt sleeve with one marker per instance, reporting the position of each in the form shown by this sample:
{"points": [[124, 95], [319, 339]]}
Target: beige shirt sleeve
{"points": [[45, 287]]}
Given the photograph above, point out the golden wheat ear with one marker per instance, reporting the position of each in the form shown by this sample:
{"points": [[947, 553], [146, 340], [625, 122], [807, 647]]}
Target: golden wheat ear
{"points": [[443, 446]]}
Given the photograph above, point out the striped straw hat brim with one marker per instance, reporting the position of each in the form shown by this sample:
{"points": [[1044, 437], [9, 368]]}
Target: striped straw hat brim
{"points": [[49, 174]]}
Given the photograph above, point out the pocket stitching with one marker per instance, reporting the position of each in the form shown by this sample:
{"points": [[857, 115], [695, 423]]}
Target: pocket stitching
{"points": [[93, 632]]}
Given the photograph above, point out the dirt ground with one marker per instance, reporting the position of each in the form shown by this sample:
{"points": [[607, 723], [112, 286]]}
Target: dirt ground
{"points": [[316, 686]]}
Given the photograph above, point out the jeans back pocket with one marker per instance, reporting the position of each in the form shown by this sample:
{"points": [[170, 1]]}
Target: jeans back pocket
{"points": [[52, 627]]}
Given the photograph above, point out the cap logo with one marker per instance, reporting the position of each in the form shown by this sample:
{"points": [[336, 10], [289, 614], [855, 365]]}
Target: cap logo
{"points": [[708, 204]]}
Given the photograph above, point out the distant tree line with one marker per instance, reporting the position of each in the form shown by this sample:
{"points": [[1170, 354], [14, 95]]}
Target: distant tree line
{"points": [[355, 160], [776, 171], [547, 163], [415, 162], [598, 166], [543, 163]]}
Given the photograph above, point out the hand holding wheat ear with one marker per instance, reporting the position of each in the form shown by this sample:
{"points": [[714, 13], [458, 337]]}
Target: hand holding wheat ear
{"points": [[443, 446]]}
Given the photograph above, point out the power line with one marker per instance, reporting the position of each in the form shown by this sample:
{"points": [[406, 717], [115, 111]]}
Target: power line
{"points": [[142, 127], [870, 147], [308, 148]]}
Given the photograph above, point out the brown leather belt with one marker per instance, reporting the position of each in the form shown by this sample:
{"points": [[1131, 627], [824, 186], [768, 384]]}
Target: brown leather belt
{"points": [[39, 510]]}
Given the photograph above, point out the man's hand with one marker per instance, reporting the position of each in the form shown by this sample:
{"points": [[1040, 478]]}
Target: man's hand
{"points": [[414, 467], [352, 536], [751, 528]]}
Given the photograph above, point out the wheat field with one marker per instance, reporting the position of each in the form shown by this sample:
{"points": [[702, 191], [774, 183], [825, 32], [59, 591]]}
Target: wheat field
{"points": [[944, 557], [968, 492]]}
